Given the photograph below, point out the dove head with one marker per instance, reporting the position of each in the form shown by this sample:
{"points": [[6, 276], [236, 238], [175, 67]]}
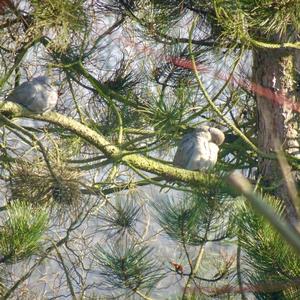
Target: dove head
{"points": [[202, 131], [202, 128], [217, 136], [46, 80], [42, 80]]}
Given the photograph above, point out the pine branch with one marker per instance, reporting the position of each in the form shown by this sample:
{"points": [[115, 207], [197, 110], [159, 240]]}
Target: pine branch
{"points": [[113, 152], [286, 230]]}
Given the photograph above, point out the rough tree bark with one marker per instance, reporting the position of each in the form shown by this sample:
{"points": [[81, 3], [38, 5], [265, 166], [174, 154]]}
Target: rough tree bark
{"points": [[275, 69]]}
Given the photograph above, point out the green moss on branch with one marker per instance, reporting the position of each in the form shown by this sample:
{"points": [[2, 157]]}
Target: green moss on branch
{"points": [[111, 151]]}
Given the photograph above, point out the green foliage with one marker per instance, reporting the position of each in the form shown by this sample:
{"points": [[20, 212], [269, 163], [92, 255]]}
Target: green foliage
{"points": [[143, 103], [272, 17], [272, 266], [160, 16], [60, 190], [128, 267], [244, 20], [120, 7], [21, 234], [119, 218], [72, 144], [166, 114], [126, 84], [67, 13], [62, 17], [194, 219]]}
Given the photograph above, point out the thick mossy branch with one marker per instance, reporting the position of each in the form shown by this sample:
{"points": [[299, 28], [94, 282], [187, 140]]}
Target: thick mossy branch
{"points": [[260, 44], [111, 151]]}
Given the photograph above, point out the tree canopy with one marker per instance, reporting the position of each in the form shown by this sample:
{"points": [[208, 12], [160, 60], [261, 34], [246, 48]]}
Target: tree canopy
{"points": [[92, 205]]}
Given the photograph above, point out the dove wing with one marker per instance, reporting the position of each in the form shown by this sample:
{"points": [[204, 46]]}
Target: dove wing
{"points": [[184, 150], [24, 94], [200, 154]]}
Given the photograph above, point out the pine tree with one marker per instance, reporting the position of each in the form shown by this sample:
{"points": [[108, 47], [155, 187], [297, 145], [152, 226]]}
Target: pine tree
{"points": [[90, 193]]}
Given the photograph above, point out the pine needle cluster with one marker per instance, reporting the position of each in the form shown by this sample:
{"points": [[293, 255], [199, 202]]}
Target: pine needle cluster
{"points": [[271, 266], [60, 19], [128, 267], [35, 183], [245, 21], [21, 233]]}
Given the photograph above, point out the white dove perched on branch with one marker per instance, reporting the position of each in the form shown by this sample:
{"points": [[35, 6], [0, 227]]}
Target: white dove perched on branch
{"points": [[198, 150], [37, 95]]}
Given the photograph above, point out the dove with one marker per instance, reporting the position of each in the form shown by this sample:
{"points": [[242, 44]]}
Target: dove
{"points": [[198, 149], [37, 95]]}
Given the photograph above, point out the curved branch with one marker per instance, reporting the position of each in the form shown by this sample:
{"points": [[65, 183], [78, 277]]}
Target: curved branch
{"points": [[10, 124], [267, 45], [116, 154]]}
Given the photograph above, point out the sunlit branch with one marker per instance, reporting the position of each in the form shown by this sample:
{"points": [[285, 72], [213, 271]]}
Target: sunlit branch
{"points": [[112, 151]]}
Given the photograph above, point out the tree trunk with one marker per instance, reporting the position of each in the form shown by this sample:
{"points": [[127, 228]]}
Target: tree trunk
{"points": [[275, 69]]}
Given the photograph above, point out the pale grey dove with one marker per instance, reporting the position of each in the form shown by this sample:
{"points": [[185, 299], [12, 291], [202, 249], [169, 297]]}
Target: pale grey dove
{"points": [[37, 95], [198, 150]]}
